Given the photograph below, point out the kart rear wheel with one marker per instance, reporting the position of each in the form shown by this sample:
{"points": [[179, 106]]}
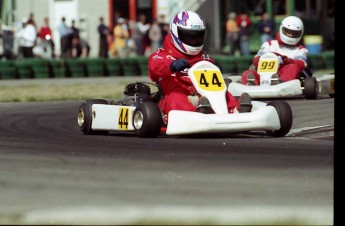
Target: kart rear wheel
{"points": [[310, 88], [85, 117], [285, 117], [147, 120]]}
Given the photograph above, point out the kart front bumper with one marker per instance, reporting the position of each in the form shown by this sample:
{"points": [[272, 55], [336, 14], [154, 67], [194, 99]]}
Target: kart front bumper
{"points": [[285, 89], [184, 122]]}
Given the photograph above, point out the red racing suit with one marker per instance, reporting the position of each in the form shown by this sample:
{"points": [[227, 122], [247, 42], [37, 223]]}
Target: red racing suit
{"points": [[294, 60], [176, 87]]}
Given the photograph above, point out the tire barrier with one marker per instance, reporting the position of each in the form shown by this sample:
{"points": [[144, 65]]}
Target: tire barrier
{"points": [[133, 66]]}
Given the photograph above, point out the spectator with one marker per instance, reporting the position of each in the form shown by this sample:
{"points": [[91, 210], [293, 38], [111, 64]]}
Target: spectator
{"points": [[65, 38], [232, 33], [85, 48], [7, 35], [155, 35], [75, 30], [26, 38], [103, 32], [81, 48], [140, 31], [75, 40], [243, 22], [121, 35], [46, 36], [45, 31], [164, 27], [266, 28], [32, 20]]}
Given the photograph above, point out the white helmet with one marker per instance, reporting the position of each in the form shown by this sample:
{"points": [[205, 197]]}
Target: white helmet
{"points": [[188, 32], [291, 30]]}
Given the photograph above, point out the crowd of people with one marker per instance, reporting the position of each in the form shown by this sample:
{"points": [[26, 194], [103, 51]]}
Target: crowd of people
{"points": [[123, 40], [139, 38], [239, 30], [34, 41]]}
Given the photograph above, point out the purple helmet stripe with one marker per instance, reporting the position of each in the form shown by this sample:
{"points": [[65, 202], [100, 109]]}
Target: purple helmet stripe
{"points": [[178, 42], [183, 20]]}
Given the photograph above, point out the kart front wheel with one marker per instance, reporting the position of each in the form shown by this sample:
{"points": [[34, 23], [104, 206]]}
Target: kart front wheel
{"points": [[285, 117], [310, 88], [147, 120], [85, 116]]}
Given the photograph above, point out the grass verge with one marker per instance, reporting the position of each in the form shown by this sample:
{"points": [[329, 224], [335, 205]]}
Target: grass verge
{"points": [[71, 91]]}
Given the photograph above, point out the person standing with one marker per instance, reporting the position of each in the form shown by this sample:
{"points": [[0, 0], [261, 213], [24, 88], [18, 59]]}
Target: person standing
{"points": [[243, 22], [155, 35], [75, 40], [164, 27], [46, 36], [75, 30], [8, 35], [27, 38], [232, 33], [121, 35], [103, 32], [266, 28], [140, 31], [65, 38]]}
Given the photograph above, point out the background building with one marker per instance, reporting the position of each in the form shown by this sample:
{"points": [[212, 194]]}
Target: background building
{"points": [[318, 15]]}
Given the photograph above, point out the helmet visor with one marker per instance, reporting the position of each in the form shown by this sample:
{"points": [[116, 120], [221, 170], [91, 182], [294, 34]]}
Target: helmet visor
{"points": [[291, 33], [192, 37]]}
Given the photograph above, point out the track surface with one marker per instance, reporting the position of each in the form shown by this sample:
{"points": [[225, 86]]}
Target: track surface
{"points": [[52, 174]]}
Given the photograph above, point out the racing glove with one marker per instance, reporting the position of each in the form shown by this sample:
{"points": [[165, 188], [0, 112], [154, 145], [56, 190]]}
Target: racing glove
{"points": [[179, 65]]}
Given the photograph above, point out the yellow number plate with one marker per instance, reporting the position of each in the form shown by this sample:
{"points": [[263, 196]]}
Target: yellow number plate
{"points": [[209, 80], [123, 118], [268, 66]]}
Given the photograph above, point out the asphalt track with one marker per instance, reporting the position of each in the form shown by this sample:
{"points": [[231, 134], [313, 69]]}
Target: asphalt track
{"points": [[52, 174]]}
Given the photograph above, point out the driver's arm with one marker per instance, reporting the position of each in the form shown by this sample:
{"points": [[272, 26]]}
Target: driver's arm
{"points": [[159, 65]]}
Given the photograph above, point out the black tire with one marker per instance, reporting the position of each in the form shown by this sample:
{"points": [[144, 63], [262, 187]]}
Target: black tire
{"points": [[311, 88], [85, 117], [285, 117], [147, 120]]}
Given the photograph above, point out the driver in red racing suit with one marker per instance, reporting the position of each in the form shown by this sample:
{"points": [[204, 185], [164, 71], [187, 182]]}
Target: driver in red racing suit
{"points": [[292, 56], [168, 67]]}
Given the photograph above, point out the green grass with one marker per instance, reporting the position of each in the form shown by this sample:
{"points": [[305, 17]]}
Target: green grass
{"points": [[319, 73], [30, 93], [56, 92]]}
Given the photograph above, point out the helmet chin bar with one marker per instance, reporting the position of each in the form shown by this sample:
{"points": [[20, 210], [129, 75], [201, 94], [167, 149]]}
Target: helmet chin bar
{"points": [[289, 41], [191, 50]]}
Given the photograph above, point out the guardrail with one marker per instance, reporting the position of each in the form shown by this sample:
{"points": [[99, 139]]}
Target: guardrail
{"points": [[99, 67]]}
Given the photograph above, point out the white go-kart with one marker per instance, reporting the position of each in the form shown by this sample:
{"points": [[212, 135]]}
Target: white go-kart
{"points": [[269, 86], [138, 111]]}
